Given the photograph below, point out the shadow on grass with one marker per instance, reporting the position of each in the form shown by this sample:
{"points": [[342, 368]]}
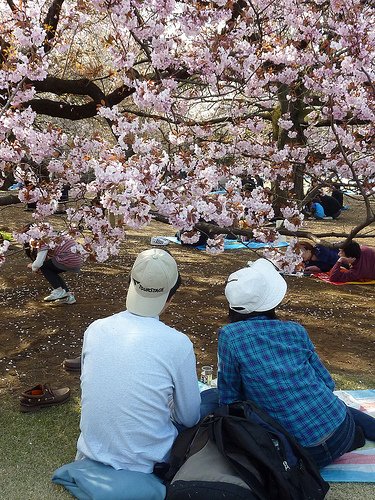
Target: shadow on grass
{"points": [[32, 446]]}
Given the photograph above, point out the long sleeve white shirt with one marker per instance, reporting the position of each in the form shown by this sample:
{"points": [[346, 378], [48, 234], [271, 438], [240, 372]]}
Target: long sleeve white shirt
{"points": [[40, 258], [136, 373]]}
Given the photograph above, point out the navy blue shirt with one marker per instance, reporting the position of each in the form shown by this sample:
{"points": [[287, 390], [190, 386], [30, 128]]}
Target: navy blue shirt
{"points": [[326, 258]]}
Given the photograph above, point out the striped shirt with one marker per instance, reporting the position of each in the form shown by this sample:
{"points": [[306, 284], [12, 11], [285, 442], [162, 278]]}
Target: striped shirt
{"points": [[64, 256], [274, 364]]}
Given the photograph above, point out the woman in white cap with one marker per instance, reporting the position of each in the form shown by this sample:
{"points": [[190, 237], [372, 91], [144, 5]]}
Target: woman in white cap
{"points": [[274, 363]]}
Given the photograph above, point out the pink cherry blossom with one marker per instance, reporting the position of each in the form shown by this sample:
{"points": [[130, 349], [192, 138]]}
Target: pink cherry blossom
{"points": [[211, 97]]}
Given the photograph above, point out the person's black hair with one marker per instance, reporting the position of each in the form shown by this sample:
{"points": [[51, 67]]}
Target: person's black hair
{"points": [[308, 246], [173, 290], [235, 316], [352, 249], [30, 251]]}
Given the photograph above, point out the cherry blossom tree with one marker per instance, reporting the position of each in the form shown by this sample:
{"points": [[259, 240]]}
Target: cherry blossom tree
{"points": [[195, 95]]}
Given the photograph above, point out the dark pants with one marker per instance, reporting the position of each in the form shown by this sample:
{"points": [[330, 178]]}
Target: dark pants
{"points": [[209, 401], [365, 421], [349, 436], [52, 275]]}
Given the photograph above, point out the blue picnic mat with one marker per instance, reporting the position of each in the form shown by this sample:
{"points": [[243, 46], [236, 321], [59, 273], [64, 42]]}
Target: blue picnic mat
{"points": [[235, 245]]}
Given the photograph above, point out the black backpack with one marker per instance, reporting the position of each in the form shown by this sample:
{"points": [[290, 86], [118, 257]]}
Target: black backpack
{"points": [[240, 452]]}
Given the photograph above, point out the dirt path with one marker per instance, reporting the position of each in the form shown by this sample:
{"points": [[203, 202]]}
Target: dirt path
{"points": [[36, 337]]}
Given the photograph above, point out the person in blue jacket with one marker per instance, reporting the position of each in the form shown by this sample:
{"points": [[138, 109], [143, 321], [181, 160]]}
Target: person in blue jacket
{"points": [[318, 258]]}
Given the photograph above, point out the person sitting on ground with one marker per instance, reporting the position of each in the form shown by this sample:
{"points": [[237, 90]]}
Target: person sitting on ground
{"points": [[317, 258], [325, 206], [52, 262], [63, 201], [338, 194], [356, 263], [30, 206], [138, 374], [274, 363]]}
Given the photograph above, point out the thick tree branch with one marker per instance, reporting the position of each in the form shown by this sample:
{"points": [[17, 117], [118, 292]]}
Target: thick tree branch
{"points": [[51, 21], [86, 87], [212, 229], [60, 86], [82, 87], [192, 123], [64, 110], [12, 5], [346, 121], [9, 199]]}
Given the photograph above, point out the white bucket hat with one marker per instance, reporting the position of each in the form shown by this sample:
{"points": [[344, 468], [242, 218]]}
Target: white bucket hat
{"points": [[153, 275], [255, 289]]}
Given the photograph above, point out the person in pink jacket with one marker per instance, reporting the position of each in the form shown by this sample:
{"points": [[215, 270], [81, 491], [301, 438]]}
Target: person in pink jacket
{"points": [[356, 263]]}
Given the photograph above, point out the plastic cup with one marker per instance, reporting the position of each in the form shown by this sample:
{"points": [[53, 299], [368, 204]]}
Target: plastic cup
{"points": [[206, 375]]}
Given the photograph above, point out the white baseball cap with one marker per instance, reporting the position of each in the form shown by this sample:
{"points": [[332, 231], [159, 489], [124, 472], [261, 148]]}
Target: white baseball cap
{"points": [[153, 275], [255, 289]]}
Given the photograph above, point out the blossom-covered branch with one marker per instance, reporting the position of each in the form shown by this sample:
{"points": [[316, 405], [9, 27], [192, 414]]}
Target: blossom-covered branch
{"points": [[200, 97]]}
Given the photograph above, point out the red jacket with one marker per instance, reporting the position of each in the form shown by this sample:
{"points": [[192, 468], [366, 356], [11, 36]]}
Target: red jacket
{"points": [[362, 269]]}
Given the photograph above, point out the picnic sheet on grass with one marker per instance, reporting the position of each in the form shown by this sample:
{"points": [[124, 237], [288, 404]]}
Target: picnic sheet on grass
{"points": [[358, 466], [235, 245], [325, 277]]}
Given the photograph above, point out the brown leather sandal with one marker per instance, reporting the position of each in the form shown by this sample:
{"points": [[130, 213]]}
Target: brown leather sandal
{"points": [[42, 396]]}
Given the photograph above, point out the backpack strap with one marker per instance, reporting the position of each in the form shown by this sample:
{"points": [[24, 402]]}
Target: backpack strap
{"points": [[239, 461], [189, 441], [179, 450]]}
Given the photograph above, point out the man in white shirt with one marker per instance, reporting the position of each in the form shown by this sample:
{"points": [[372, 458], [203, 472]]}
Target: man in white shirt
{"points": [[138, 374]]}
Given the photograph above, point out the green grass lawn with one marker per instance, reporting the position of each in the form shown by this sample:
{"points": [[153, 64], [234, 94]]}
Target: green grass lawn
{"points": [[33, 445]]}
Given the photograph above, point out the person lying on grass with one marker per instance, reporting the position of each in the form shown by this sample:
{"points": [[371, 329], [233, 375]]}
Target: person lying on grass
{"points": [[317, 258], [356, 263]]}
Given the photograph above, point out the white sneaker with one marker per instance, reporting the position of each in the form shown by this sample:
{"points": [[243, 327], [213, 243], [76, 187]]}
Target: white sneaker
{"points": [[69, 299], [57, 293]]}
